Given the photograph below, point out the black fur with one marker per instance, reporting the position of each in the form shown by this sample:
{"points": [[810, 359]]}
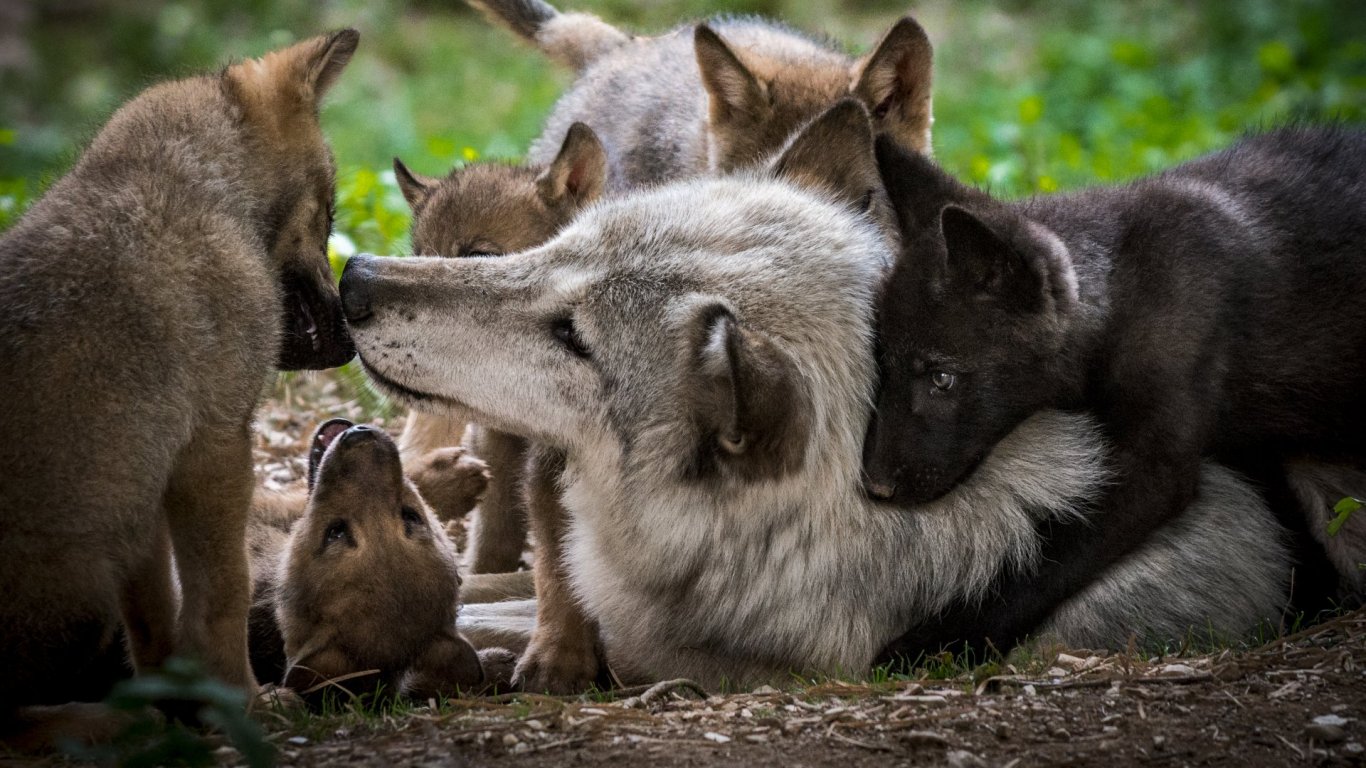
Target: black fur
{"points": [[1218, 308]]}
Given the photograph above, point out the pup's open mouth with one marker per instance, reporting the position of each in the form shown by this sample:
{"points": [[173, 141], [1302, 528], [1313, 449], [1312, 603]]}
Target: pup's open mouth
{"points": [[314, 335]]}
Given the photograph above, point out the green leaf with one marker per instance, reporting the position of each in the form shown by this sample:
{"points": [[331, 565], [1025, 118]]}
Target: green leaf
{"points": [[1344, 510]]}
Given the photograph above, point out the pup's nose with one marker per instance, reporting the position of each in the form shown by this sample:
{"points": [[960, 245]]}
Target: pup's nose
{"points": [[357, 288]]}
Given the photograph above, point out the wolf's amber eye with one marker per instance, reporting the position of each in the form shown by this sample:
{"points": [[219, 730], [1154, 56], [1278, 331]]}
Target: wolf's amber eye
{"points": [[943, 380], [336, 532], [567, 335]]}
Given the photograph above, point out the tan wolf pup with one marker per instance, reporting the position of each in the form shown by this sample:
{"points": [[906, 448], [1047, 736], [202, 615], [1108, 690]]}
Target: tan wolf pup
{"points": [[489, 210], [717, 96], [361, 577], [145, 301]]}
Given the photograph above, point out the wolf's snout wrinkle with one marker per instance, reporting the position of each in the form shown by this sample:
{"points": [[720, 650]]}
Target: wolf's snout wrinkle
{"points": [[357, 288]]}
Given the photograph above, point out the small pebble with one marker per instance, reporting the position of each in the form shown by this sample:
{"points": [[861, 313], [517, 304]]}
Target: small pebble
{"points": [[716, 737], [298, 740], [1328, 734]]}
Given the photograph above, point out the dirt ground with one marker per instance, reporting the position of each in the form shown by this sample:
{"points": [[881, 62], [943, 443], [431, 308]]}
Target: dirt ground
{"points": [[1298, 700], [1301, 699]]}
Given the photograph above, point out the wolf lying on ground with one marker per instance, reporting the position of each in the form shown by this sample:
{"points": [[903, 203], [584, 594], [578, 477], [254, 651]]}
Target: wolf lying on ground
{"points": [[702, 354], [1213, 309], [144, 302], [724, 95], [361, 577]]}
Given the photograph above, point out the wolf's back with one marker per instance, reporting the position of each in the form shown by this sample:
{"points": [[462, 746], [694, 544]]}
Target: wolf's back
{"points": [[573, 39]]}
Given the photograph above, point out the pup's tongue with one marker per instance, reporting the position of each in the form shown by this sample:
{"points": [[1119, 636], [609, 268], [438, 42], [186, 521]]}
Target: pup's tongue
{"points": [[325, 435]]}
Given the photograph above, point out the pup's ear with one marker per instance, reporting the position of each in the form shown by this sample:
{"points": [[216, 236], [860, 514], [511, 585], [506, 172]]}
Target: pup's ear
{"points": [[296, 77], [983, 264], [733, 92], [894, 82], [579, 172], [917, 187], [835, 153], [751, 402], [415, 188]]}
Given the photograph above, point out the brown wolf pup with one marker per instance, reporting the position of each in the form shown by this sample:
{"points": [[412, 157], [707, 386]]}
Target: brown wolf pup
{"points": [[362, 578], [487, 210], [144, 302], [722, 95]]}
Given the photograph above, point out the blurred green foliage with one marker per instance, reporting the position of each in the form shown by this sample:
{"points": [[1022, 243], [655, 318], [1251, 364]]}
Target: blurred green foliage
{"points": [[1029, 95]]}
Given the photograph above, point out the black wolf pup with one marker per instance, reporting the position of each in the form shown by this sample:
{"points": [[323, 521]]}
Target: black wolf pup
{"points": [[1217, 308]]}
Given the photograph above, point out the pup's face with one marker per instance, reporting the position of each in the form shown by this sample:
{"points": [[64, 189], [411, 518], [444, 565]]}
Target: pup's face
{"points": [[657, 326], [495, 209], [755, 102], [370, 576], [279, 95], [969, 327]]}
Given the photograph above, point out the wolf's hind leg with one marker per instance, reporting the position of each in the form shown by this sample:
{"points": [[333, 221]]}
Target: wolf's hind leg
{"points": [[206, 505], [148, 606]]}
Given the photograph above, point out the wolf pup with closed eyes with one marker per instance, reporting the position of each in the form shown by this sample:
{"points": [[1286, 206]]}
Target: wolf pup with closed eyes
{"points": [[1214, 309]]}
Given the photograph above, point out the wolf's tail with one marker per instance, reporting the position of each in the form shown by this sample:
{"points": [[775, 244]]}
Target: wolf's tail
{"points": [[574, 39]]}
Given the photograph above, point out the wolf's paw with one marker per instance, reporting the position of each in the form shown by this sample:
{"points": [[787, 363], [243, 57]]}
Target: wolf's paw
{"points": [[556, 668], [499, 665], [451, 480], [275, 698]]}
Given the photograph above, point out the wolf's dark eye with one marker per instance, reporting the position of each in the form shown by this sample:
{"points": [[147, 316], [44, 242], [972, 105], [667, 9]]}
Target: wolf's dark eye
{"points": [[943, 380], [567, 335], [412, 520], [338, 531]]}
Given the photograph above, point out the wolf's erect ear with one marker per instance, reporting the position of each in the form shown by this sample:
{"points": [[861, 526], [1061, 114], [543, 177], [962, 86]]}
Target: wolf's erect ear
{"points": [[750, 400], [578, 174], [982, 264], [285, 83], [415, 188], [732, 90], [917, 187], [835, 153], [894, 82], [327, 60]]}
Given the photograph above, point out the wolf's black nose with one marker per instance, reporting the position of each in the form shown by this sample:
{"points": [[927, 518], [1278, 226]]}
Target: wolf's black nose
{"points": [[357, 288]]}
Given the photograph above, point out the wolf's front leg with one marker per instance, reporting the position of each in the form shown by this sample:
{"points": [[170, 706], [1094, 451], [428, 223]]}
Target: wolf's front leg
{"points": [[206, 505], [563, 655], [500, 529]]}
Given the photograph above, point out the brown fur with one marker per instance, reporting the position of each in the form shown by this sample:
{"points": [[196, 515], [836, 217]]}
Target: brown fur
{"points": [[496, 209], [144, 302], [359, 575], [729, 93]]}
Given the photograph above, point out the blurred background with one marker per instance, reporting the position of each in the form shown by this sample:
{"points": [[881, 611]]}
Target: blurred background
{"points": [[1030, 95]]}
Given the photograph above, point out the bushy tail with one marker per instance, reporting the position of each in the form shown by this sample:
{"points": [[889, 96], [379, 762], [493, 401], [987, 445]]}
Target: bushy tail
{"points": [[574, 39]]}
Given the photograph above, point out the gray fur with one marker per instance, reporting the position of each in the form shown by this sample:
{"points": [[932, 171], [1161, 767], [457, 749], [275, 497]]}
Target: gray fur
{"points": [[691, 566]]}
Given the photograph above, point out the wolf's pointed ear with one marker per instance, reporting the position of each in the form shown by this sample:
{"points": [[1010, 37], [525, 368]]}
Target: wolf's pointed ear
{"points": [[578, 175], [732, 90], [284, 83], [917, 187], [751, 402], [415, 188], [835, 153], [328, 58], [894, 82], [983, 264]]}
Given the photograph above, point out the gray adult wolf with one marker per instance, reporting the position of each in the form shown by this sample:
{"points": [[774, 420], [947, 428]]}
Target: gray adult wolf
{"points": [[702, 354], [144, 302], [716, 96]]}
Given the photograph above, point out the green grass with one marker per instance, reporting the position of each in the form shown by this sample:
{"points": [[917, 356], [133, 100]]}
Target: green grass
{"points": [[1030, 96]]}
